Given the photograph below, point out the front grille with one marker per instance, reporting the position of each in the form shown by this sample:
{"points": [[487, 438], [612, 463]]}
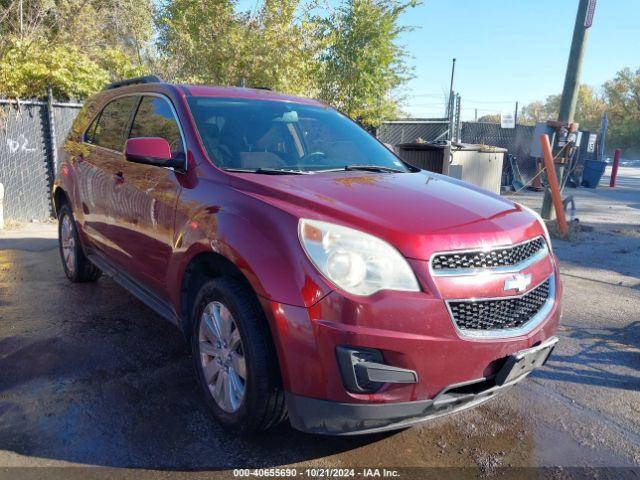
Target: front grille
{"points": [[500, 257], [499, 314]]}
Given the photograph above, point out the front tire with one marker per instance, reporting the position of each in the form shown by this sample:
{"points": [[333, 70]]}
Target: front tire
{"points": [[76, 265], [234, 358]]}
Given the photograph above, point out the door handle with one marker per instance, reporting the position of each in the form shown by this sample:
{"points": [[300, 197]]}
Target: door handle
{"points": [[119, 177]]}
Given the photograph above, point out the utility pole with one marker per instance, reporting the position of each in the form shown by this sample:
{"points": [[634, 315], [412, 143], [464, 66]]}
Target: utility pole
{"points": [[574, 65], [515, 116], [458, 124], [453, 72], [584, 19]]}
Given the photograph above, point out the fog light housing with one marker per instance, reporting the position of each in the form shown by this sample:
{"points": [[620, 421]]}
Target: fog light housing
{"points": [[363, 370]]}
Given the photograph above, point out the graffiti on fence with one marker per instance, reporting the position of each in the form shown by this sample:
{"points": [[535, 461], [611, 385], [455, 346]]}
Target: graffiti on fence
{"points": [[26, 155], [19, 144]]}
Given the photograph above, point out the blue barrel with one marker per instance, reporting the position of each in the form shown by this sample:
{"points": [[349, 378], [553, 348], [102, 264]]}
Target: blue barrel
{"points": [[592, 173]]}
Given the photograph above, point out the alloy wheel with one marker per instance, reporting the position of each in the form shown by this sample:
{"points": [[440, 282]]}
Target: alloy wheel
{"points": [[68, 243], [222, 357]]}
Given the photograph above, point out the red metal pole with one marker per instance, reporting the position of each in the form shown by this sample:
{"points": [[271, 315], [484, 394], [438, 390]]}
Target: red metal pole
{"points": [[614, 169]]}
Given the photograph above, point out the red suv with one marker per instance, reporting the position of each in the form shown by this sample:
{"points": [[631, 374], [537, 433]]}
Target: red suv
{"points": [[314, 273]]}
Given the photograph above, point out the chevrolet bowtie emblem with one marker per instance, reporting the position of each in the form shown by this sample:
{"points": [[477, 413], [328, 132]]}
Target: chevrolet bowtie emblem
{"points": [[518, 282]]}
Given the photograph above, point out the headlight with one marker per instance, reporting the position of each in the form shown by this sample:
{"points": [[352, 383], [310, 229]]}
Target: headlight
{"points": [[541, 221], [356, 262]]}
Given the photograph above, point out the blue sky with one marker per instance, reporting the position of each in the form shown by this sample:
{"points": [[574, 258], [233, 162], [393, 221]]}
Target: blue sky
{"points": [[509, 50]]}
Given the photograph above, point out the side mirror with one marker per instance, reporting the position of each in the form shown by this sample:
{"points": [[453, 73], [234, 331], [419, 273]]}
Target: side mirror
{"points": [[151, 151]]}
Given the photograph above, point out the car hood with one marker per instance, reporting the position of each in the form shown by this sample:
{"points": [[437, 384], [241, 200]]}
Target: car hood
{"points": [[419, 213]]}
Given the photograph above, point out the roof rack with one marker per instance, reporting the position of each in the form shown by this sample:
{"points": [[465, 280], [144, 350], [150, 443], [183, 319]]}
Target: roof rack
{"points": [[134, 81]]}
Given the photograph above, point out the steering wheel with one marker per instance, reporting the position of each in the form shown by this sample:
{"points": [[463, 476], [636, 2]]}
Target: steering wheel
{"points": [[313, 158]]}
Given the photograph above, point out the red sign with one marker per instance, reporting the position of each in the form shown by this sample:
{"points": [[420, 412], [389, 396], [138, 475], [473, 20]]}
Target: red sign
{"points": [[591, 9]]}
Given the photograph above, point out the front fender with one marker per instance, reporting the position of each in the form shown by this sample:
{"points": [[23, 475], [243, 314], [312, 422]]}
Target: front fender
{"points": [[260, 240]]}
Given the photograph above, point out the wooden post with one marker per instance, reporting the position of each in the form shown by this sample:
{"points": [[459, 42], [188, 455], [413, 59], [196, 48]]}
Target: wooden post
{"points": [[554, 188]]}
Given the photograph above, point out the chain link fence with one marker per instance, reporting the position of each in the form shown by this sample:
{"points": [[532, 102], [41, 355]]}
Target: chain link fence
{"points": [[29, 134], [517, 140], [408, 131]]}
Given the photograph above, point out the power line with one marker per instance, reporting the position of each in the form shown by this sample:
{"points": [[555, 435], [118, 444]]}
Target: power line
{"points": [[439, 95], [428, 104], [490, 102]]}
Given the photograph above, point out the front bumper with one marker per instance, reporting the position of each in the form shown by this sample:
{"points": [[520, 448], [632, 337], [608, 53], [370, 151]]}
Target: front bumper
{"points": [[337, 418], [412, 331]]}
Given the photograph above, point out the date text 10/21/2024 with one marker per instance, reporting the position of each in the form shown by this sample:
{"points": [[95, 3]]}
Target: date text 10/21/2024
{"points": [[317, 472]]}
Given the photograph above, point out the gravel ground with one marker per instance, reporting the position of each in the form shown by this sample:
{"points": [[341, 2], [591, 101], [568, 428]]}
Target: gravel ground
{"points": [[90, 376]]}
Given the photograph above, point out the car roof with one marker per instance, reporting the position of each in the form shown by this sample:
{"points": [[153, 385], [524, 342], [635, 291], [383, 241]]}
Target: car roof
{"points": [[242, 92], [157, 86]]}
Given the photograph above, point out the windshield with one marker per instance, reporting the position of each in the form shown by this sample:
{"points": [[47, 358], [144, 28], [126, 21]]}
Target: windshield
{"points": [[262, 135]]}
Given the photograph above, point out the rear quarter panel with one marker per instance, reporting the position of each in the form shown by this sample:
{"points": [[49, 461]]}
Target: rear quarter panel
{"points": [[72, 148]]}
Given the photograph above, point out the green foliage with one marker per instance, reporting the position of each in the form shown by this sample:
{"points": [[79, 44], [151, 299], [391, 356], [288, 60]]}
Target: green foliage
{"points": [[75, 46], [619, 98], [349, 57], [282, 48], [27, 69], [199, 40], [589, 109], [491, 118], [119, 65], [209, 42], [363, 63], [622, 95]]}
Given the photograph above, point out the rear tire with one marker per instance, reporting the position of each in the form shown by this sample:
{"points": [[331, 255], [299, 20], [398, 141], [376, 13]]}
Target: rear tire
{"points": [[230, 343], [75, 263]]}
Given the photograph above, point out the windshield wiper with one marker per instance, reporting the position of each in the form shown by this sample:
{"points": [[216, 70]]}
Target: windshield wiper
{"points": [[268, 171], [373, 168], [365, 168]]}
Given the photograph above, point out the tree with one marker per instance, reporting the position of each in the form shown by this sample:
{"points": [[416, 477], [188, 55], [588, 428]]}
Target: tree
{"points": [[622, 95], [492, 118], [348, 57], [210, 42], [28, 69], [283, 46], [74, 46], [539, 111], [619, 98], [200, 41], [589, 109], [363, 64]]}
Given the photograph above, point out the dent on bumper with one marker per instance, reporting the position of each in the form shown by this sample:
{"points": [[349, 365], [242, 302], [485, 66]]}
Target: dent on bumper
{"points": [[336, 418]]}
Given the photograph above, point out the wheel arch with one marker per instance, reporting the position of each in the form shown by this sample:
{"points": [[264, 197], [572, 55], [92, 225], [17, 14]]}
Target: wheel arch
{"points": [[206, 266], [202, 267], [59, 198]]}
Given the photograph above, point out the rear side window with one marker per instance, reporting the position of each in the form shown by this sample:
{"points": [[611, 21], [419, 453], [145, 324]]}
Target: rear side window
{"points": [[79, 130], [88, 136], [111, 128], [155, 118]]}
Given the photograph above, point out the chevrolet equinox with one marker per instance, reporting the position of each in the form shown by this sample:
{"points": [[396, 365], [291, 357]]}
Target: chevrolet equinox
{"points": [[316, 276]]}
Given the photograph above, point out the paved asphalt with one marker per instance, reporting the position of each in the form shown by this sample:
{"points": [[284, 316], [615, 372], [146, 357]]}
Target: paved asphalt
{"points": [[90, 376]]}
